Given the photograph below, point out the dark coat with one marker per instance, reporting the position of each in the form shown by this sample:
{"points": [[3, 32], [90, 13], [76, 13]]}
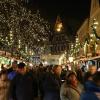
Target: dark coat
{"points": [[22, 87], [51, 86]]}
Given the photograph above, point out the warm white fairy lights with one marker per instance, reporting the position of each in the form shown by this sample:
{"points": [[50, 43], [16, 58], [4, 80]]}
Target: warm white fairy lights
{"points": [[16, 22]]}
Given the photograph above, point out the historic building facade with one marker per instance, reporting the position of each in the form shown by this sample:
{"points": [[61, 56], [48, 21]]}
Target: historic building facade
{"points": [[59, 39], [89, 32]]}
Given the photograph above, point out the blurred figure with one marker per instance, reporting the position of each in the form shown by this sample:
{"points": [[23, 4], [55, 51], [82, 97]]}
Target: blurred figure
{"points": [[92, 69], [92, 89], [70, 90], [42, 72], [4, 86], [88, 75], [2, 67], [52, 83], [12, 70], [79, 74], [83, 68], [22, 85]]}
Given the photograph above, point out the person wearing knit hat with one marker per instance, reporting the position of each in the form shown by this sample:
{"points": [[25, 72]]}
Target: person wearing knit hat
{"points": [[21, 65], [21, 68]]}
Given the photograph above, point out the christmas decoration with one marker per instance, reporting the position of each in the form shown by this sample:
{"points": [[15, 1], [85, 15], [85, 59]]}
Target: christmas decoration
{"points": [[20, 29]]}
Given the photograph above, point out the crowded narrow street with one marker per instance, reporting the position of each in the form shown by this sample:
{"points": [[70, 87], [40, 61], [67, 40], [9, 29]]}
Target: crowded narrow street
{"points": [[49, 50]]}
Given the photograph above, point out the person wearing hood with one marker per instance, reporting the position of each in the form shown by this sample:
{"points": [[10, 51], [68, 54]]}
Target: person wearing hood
{"points": [[71, 88]]}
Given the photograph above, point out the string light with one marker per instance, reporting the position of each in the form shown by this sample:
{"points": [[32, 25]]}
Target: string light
{"points": [[23, 24]]}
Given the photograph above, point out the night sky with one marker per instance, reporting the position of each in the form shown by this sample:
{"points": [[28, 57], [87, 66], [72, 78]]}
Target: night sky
{"points": [[72, 12]]}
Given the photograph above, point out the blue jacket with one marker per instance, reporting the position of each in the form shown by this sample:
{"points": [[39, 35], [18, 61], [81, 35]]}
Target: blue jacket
{"points": [[11, 75], [91, 89]]}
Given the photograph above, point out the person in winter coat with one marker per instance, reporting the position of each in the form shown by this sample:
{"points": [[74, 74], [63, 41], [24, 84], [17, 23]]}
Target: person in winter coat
{"points": [[12, 71], [4, 86], [23, 85], [92, 88], [71, 90], [51, 84]]}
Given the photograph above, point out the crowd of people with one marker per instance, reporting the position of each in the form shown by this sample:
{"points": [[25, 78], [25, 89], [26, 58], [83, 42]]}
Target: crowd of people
{"points": [[21, 82]]}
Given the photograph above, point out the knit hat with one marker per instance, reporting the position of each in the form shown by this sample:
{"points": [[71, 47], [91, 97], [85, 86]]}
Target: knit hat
{"points": [[21, 65]]}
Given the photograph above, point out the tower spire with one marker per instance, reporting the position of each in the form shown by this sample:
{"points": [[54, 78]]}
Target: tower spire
{"points": [[58, 24]]}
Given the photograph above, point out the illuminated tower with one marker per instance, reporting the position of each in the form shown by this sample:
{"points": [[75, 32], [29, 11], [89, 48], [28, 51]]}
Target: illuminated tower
{"points": [[59, 39], [58, 25]]}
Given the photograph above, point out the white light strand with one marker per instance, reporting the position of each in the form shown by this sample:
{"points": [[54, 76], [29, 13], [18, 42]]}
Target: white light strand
{"points": [[29, 26]]}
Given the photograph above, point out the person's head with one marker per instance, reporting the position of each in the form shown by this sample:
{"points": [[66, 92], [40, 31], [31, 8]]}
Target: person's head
{"points": [[41, 65], [72, 79], [21, 68], [92, 69], [49, 68], [57, 69], [96, 78], [14, 65]]}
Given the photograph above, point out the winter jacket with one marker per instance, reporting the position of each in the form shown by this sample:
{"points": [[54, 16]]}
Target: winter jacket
{"points": [[92, 92], [11, 75], [67, 92], [23, 87]]}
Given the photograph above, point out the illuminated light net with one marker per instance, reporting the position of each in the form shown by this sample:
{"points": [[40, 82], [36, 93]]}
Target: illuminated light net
{"points": [[19, 24]]}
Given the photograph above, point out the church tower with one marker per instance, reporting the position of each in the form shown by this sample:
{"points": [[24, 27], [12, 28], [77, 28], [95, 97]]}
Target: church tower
{"points": [[58, 25], [59, 39]]}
